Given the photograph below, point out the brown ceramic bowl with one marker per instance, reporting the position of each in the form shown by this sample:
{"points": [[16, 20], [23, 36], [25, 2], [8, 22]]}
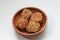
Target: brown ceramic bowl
{"points": [[25, 33]]}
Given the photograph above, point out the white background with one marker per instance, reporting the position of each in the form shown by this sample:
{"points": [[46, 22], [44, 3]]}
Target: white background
{"points": [[9, 7]]}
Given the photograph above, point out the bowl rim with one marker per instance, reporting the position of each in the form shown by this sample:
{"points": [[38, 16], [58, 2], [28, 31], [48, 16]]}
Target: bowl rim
{"points": [[27, 33]]}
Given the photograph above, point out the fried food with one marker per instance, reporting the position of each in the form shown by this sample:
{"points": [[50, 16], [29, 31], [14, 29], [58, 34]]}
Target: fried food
{"points": [[30, 21], [26, 13], [22, 23], [32, 26], [37, 16]]}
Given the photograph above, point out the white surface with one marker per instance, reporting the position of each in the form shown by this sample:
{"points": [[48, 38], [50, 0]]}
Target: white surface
{"points": [[50, 7]]}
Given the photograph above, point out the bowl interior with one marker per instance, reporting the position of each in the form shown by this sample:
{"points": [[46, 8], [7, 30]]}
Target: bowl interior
{"points": [[17, 16]]}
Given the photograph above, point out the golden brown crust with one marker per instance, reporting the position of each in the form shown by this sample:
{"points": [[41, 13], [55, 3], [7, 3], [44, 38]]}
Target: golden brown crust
{"points": [[22, 23], [37, 16], [26, 13], [32, 27]]}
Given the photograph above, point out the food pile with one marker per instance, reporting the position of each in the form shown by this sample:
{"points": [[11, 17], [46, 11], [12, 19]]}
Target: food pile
{"points": [[30, 21]]}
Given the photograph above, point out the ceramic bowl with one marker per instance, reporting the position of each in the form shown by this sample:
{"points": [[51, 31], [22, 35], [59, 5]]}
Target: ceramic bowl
{"points": [[25, 33]]}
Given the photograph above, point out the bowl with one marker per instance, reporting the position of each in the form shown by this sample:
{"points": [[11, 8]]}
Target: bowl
{"points": [[25, 33]]}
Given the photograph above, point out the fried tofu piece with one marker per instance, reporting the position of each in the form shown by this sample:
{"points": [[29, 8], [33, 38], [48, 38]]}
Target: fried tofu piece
{"points": [[22, 23], [32, 26], [26, 13], [37, 16]]}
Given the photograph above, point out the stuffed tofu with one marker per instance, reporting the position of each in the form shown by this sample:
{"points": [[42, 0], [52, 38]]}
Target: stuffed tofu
{"points": [[37, 16], [26, 13], [22, 23], [32, 26]]}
